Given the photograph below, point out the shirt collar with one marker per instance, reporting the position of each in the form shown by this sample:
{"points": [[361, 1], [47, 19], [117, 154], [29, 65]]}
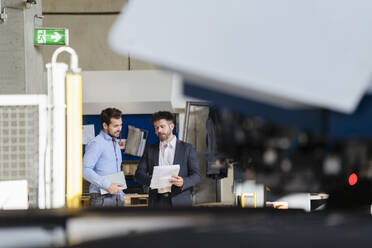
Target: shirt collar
{"points": [[171, 144], [107, 137]]}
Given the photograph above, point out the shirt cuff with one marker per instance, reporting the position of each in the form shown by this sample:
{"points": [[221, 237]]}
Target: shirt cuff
{"points": [[106, 184]]}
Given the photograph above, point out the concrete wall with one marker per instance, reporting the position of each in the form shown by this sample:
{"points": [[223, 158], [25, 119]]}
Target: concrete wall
{"points": [[20, 61], [89, 6], [33, 58], [89, 22]]}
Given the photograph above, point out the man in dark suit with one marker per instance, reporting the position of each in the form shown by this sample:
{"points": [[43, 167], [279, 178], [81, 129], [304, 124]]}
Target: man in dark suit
{"points": [[169, 151]]}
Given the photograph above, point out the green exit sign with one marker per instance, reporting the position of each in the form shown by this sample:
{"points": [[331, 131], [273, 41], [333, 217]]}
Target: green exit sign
{"points": [[51, 36]]}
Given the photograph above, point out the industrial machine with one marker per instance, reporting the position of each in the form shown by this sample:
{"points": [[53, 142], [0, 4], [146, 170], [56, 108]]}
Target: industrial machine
{"points": [[288, 157]]}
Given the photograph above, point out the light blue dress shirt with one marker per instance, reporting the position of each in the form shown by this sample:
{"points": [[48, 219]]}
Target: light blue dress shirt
{"points": [[102, 157]]}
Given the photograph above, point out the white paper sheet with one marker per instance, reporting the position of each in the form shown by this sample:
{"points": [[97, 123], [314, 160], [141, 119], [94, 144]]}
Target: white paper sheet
{"points": [[88, 133], [162, 174], [115, 178]]}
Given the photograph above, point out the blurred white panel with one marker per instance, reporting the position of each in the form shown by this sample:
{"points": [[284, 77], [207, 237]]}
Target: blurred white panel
{"points": [[13, 194], [297, 201], [15, 237], [311, 52]]}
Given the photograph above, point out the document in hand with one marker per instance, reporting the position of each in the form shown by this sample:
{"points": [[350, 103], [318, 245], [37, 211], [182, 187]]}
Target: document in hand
{"points": [[162, 174], [117, 177]]}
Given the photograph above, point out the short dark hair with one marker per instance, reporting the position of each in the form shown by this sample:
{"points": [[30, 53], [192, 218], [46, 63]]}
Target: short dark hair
{"points": [[109, 113], [163, 115]]}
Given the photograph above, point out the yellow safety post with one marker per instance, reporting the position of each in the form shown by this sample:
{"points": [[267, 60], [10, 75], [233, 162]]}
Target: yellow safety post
{"points": [[74, 140]]}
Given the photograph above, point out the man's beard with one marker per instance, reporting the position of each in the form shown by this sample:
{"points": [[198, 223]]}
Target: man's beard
{"points": [[113, 134], [162, 138]]}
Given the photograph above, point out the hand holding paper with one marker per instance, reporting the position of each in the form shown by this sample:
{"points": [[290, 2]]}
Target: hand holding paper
{"points": [[115, 188], [176, 180], [162, 175], [117, 180]]}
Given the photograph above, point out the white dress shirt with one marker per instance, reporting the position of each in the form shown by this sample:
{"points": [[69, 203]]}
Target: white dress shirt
{"points": [[166, 157]]}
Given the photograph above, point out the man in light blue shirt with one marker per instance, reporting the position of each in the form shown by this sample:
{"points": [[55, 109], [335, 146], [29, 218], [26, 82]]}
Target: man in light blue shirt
{"points": [[103, 157]]}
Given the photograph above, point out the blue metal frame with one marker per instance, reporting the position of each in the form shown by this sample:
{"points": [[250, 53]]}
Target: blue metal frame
{"points": [[333, 125]]}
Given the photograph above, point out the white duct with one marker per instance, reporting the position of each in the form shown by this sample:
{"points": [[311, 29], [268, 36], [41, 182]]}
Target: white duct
{"points": [[57, 96]]}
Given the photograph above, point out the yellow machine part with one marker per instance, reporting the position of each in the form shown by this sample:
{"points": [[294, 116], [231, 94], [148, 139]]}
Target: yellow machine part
{"points": [[248, 200], [74, 181]]}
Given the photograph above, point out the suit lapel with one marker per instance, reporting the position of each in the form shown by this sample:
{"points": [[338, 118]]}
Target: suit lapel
{"points": [[156, 155], [178, 154]]}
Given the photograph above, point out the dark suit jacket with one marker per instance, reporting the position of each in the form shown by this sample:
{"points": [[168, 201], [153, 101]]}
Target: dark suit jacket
{"points": [[185, 156]]}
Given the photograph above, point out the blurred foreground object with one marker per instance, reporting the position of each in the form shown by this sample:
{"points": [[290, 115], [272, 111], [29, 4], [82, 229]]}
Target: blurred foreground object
{"points": [[289, 52]]}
